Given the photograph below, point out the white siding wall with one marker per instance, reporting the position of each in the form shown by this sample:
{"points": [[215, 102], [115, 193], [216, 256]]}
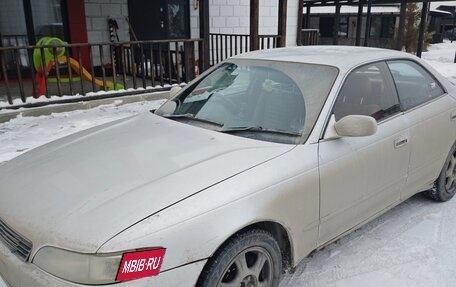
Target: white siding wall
{"points": [[292, 22], [97, 14], [194, 21], [225, 16], [233, 16]]}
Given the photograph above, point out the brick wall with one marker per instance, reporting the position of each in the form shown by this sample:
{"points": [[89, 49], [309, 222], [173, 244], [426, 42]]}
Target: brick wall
{"points": [[292, 21], [225, 16], [194, 21], [233, 16], [97, 14]]}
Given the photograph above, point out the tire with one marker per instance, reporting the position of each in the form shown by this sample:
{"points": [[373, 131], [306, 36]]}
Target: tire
{"points": [[249, 259], [445, 185]]}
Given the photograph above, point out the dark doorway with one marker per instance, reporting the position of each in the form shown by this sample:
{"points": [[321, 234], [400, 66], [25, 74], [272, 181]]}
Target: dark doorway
{"points": [[326, 26], [159, 19]]}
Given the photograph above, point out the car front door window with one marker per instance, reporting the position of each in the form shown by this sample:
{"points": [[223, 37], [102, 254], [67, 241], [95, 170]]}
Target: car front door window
{"points": [[368, 91]]}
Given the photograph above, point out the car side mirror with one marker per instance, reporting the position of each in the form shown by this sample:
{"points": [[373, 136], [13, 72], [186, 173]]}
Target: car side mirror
{"points": [[351, 126], [174, 91], [167, 108]]}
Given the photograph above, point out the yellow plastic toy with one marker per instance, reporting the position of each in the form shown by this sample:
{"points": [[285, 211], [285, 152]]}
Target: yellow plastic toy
{"points": [[49, 61]]}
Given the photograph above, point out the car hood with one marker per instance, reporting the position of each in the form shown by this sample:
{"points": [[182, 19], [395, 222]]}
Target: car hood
{"points": [[80, 191]]}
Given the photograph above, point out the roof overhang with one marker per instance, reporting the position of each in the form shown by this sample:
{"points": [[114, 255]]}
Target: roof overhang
{"points": [[357, 2], [353, 10], [441, 13]]}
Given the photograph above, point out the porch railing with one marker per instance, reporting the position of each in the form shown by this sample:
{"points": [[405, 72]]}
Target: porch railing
{"points": [[223, 46], [309, 37], [70, 69]]}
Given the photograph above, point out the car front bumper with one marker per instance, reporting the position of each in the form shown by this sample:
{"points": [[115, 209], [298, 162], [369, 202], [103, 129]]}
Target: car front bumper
{"points": [[17, 273]]}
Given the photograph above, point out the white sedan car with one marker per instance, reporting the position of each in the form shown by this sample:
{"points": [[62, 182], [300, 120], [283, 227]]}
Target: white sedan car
{"points": [[253, 165]]}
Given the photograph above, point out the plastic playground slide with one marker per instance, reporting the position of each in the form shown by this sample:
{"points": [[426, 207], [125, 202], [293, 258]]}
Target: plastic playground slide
{"points": [[74, 64], [50, 63]]}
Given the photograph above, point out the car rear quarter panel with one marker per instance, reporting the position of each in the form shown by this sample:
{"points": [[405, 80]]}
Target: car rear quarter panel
{"points": [[283, 190]]}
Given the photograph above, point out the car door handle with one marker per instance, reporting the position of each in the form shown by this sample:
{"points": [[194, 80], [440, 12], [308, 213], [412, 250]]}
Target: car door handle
{"points": [[453, 116], [400, 142]]}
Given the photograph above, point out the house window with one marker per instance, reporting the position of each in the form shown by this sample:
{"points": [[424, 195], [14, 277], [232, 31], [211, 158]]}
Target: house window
{"points": [[177, 19], [24, 22], [327, 26], [47, 19], [382, 26], [13, 29]]}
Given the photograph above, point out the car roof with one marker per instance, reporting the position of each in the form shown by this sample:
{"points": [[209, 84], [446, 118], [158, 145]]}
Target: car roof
{"points": [[342, 57]]}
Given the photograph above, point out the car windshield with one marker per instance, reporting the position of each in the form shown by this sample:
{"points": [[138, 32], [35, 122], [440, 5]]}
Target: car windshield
{"points": [[265, 100]]}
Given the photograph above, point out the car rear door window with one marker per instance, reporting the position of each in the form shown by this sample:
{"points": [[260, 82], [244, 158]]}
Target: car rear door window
{"points": [[369, 91], [414, 84]]}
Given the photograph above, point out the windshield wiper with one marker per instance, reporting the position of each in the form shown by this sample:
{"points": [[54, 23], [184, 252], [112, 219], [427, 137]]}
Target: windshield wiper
{"points": [[259, 130], [192, 117]]}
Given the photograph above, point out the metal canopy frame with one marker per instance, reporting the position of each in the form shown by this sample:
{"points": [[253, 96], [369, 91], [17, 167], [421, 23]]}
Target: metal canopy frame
{"points": [[316, 3], [308, 4]]}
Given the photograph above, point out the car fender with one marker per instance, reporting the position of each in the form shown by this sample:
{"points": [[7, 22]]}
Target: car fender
{"points": [[284, 190]]}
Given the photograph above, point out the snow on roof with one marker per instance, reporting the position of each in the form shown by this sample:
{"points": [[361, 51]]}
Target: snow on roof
{"points": [[437, 11], [354, 10]]}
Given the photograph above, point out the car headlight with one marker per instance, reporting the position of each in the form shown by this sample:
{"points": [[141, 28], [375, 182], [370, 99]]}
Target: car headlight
{"points": [[94, 269], [78, 267]]}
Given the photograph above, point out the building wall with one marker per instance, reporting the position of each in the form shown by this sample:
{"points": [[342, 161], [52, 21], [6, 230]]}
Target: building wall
{"points": [[97, 14], [194, 21], [292, 22], [233, 16], [225, 16]]}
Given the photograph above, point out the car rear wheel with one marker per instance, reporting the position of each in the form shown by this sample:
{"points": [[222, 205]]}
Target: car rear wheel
{"points": [[445, 185], [251, 259]]}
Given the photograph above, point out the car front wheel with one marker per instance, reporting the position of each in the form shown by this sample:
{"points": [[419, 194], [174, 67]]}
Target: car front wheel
{"points": [[445, 185], [250, 259]]}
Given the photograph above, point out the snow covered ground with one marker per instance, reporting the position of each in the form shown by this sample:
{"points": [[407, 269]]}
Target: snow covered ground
{"points": [[24, 133], [441, 57], [411, 245]]}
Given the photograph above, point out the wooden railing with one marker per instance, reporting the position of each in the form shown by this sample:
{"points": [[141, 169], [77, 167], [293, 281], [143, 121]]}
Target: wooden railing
{"points": [[223, 46], [71, 69], [309, 37]]}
